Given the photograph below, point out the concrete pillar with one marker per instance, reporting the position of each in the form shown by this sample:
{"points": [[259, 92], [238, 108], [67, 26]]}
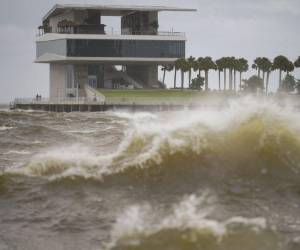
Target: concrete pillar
{"points": [[58, 82]]}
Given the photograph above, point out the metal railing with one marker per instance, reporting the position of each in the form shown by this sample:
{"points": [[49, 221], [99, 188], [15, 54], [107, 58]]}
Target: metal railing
{"points": [[96, 101], [62, 101], [112, 32]]}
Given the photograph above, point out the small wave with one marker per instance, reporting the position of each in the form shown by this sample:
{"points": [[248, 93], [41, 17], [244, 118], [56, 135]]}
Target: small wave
{"points": [[67, 162], [22, 152], [4, 128], [135, 116], [82, 131], [37, 142], [187, 226]]}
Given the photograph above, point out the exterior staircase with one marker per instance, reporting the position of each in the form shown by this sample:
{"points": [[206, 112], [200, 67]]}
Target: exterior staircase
{"points": [[93, 94], [126, 78]]}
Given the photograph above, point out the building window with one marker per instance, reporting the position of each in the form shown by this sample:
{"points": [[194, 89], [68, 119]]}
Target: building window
{"points": [[126, 48]]}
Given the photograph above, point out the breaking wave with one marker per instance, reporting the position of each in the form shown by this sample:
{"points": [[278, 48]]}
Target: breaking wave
{"points": [[247, 137], [188, 225]]}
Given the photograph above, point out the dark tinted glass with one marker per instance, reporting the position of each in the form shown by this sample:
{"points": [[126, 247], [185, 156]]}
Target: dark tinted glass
{"points": [[126, 48]]}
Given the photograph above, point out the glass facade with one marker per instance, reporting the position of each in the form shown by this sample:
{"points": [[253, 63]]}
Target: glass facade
{"points": [[125, 48]]}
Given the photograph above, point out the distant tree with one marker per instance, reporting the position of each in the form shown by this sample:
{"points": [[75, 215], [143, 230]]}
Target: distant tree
{"points": [[253, 84], [281, 63], [221, 67], [266, 67], [235, 69], [176, 68], [257, 65], [191, 63], [197, 83], [288, 83], [183, 65], [230, 64], [242, 67], [289, 67], [198, 66], [207, 65], [221, 64], [298, 86], [297, 62], [166, 68]]}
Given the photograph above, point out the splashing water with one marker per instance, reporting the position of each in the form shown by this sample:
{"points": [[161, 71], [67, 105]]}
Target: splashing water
{"points": [[120, 180]]}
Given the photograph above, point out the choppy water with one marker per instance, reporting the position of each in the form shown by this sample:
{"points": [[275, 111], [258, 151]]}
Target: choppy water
{"points": [[214, 179]]}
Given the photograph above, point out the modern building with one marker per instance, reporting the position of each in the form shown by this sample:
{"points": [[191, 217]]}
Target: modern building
{"points": [[82, 52]]}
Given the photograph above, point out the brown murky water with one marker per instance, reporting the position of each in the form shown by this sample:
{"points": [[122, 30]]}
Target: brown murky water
{"points": [[202, 179]]}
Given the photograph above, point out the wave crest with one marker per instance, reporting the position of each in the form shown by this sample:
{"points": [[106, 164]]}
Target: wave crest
{"points": [[247, 138], [188, 226]]}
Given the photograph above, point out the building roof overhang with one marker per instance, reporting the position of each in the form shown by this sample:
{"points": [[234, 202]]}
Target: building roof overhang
{"points": [[54, 58], [110, 10]]}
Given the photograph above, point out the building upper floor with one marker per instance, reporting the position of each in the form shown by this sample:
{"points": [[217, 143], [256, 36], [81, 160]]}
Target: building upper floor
{"points": [[87, 19]]}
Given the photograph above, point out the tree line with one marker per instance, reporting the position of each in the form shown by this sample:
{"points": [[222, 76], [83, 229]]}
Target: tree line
{"points": [[229, 67]]}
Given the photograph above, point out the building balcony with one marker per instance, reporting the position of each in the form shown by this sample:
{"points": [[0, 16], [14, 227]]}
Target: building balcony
{"points": [[60, 47], [102, 30]]}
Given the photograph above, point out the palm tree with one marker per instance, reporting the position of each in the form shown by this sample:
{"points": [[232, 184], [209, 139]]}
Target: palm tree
{"points": [[183, 65], [221, 67], [280, 63], [198, 65], [208, 64], [224, 61], [191, 62], [176, 68], [235, 69], [297, 63], [256, 65], [289, 67], [266, 67], [164, 69], [242, 67], [230, 65]]}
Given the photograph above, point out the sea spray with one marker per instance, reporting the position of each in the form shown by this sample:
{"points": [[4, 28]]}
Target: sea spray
{"points": [[188, 225], [246, 131]]}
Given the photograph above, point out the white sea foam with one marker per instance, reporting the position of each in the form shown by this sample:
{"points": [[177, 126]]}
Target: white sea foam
{"points": [[4, 128], [91, 131], [147, 135], [192, 212], [16, 152], [135, 116]]}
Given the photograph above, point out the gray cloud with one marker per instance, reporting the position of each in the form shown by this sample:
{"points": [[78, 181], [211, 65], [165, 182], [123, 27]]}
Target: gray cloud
{"points": [[220, 28]]}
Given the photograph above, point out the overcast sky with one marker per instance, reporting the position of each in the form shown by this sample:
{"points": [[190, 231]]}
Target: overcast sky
{"points": [[240, 28]]}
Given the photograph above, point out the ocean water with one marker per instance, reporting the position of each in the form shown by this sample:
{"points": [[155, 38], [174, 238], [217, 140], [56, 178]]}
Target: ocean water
{"points": [[225, 178]]}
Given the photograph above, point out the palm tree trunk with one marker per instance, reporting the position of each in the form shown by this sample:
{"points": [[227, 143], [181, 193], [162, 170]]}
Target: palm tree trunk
{"points": [[225, 80], [175, 78], [240, 80], [267, 82], [234, 80], [190, 76], [230, 79], [199, 73], [259, 72], [206, 80], [280, 73], [182, 79], [263, 78], [219, 80], [164, 77]]}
